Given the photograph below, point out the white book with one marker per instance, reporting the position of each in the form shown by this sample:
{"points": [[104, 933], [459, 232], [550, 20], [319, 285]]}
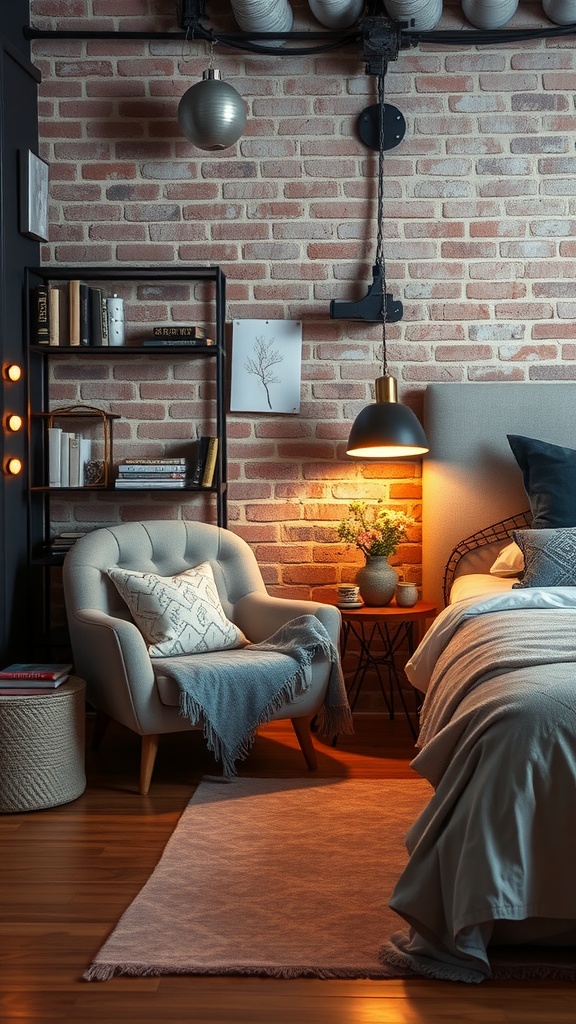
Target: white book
{"points": [[126, 484], [85, 456], [74, 467], [65, 458], [54, 459]]}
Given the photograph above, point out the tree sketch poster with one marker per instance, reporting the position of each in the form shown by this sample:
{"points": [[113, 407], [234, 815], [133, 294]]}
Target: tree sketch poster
{"points": [[266, 361]]}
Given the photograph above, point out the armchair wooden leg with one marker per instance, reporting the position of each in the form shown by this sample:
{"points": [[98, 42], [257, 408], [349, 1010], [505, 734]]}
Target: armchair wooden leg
{"points": [[101, 723], [147, 759], [301, 727]]}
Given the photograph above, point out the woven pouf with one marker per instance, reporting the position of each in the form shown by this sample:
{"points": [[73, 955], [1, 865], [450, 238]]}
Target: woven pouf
{"points": [[42, 747]]}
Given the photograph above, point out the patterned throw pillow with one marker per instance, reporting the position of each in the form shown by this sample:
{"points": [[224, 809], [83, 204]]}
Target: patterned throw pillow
{"points": [[549, 557], [177, 614]]}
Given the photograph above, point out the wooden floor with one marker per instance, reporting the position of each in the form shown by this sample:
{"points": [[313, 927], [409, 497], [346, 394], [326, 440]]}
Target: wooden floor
{"points": [[67, 874]]}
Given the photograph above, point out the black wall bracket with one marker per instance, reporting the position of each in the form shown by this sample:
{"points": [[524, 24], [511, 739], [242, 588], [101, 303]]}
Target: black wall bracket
{"points": [[369, 308], [369, 126]]}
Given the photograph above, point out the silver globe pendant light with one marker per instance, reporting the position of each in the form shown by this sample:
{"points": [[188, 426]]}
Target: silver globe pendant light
{"points": [[211, 113], [386, 429]]}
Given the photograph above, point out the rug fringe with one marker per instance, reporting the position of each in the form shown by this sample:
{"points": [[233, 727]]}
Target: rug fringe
{"points": [[105, 972]]}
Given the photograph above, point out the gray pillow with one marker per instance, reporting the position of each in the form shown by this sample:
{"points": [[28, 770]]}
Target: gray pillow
{"points": [[549, 557]]}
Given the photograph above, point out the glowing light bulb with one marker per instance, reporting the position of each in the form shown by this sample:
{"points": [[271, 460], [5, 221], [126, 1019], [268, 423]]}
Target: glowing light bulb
{"points": [[13, 466], [13, 422]]}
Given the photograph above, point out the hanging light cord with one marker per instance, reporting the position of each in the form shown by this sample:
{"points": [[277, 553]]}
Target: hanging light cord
{"points": [[379, 239]]}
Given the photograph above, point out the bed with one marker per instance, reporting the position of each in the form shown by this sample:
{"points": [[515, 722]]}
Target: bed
{"points": [[488, 890]]}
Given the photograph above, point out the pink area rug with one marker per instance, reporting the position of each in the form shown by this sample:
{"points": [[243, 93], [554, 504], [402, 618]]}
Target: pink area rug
{"points": [[277, 877]]}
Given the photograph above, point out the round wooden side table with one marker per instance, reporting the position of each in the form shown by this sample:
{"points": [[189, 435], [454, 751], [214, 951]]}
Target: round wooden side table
{"points": [[380, 633], [42, 747]]}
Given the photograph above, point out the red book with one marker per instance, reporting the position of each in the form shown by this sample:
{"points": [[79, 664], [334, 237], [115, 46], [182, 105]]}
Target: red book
{"points": [[22, 674]]}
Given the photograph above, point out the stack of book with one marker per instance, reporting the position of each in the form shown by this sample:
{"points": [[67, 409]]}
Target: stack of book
{"points": [[73, 313], [62, 542], [178, 335], [153, 473], [32, 677]]}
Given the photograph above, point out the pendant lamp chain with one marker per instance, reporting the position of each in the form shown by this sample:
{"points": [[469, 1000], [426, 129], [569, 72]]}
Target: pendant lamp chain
{"points": [[379, 239]]}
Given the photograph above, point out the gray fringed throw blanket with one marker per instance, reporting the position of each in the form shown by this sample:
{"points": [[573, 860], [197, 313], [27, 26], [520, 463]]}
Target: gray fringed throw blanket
{"points": [[236, 691]]}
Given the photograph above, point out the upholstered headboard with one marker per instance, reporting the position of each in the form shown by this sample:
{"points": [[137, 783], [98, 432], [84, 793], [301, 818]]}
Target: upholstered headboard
{"points": [[470, 477]]}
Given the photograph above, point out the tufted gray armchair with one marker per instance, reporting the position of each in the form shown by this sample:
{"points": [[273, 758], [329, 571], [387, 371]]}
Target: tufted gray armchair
{"points": [[110, 652]]}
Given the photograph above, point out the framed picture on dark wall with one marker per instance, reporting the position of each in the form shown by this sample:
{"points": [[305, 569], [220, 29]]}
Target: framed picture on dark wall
{"points": [[34, 174]]}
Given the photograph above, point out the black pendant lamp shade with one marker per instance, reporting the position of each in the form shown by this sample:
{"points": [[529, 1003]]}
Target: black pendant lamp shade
{"points": [[386, 429]]}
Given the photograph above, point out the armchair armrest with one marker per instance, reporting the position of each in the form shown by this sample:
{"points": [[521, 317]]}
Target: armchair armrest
{"points": [[260, 615], [111, 655]]}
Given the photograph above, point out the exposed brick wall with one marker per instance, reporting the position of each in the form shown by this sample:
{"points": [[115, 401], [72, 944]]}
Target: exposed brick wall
{"points": [[480, 244]]}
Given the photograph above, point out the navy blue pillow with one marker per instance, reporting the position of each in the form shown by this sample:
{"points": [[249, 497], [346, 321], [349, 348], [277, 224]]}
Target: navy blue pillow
{"points": [[549, 473]]}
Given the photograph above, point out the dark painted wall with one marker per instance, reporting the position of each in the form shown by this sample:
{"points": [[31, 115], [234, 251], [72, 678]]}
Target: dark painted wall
{"points": [[14, 16], [18, 132]]}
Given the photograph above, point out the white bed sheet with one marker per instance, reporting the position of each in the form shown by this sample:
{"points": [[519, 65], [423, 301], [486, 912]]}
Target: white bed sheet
{"points": [[479, 585]]}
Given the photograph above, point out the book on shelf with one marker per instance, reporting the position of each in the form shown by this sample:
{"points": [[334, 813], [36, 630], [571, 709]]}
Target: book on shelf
{"points": [[98, 317], [85, 328], [55, 308], [126, 484], [39, 316], [145, 475], [173, 460], [198, 471], [21, 674], [80, 451], [65, 439], [54, 456], [58, 303], [176, 340], [74, 312], [180, 331], [159, 468], [210, 464]]}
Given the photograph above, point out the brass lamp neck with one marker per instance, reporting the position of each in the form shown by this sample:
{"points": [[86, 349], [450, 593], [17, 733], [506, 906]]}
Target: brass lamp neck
{"points": [[386, 389]]}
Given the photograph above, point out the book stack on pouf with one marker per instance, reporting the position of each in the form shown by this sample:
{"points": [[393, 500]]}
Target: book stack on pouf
{"points": [[42, 725]]}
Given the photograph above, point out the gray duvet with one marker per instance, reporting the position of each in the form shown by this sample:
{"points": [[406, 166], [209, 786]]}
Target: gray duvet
{"points": [[492, 856]]}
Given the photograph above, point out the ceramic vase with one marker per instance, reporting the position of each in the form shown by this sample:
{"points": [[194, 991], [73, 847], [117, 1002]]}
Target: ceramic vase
{"points": [[377, 580]]}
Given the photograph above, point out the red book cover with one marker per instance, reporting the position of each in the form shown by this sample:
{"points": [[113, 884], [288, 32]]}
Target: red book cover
{"points": [[35, 671]]}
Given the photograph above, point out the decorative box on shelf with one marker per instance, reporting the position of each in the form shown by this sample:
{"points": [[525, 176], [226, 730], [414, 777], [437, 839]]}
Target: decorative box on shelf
{"points": [[80, 447]]}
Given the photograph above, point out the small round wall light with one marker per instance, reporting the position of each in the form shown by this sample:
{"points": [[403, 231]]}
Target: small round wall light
{"points": [[13, 422], [13, 466], [12, 372]]}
